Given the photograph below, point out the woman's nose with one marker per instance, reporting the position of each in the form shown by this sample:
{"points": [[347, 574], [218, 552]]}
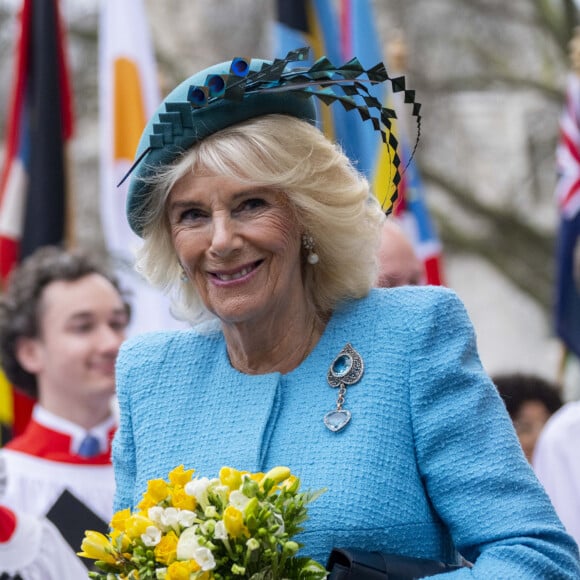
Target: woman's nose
{"points": [[225, 238]]}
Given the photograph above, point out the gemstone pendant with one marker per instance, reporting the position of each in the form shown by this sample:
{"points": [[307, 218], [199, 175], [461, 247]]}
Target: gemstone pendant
{"points": [[337, 420], [341, 365], [347, 368]]}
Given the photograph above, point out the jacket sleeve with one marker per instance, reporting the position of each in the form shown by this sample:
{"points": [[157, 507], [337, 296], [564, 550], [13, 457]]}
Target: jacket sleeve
{"points": [[123, 451], [473, 469]]}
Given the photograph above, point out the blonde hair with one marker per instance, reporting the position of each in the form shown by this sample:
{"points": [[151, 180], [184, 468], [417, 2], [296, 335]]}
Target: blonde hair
{"points": [[331, 201]]}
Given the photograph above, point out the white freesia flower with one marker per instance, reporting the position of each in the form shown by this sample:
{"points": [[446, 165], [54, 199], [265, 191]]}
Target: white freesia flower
{"points": [[220, 490], [239, 500], [220, 532], [170, 518], [187, 544], [198, 489], [155, 513], [152, 536], [204, 558], [186, 518], [207, 527]]}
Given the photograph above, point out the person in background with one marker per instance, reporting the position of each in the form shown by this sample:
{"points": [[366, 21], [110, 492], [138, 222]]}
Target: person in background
{"points": [[31, 548], [261, 227], [399, 265], [530, 401], [62, 321], [557, 464]]}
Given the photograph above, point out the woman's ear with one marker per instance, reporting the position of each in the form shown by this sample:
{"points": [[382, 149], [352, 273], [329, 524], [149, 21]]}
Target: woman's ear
{"points": [[28, 354]]}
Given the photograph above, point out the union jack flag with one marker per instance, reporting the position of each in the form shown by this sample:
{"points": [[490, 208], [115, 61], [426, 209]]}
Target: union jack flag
{"points": [[568, 152], [567, 300]]}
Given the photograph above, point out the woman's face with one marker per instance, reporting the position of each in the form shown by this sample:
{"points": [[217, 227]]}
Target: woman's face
{"points": [[238, 244]]}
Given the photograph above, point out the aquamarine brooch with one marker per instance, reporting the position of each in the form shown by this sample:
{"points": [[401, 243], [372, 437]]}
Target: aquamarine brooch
{"points": [[345, 370]]}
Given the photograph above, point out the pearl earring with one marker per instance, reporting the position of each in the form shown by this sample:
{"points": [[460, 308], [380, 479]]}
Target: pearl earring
{"points": [[308, 244], [183, 277]]}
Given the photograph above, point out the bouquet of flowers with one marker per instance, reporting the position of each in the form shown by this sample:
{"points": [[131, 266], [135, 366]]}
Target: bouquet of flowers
{"points": [[185, 528]]}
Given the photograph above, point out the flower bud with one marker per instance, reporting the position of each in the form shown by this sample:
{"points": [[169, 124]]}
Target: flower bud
{"points": [[250, 487], [252, 544], [290, 548], [277, 475]]}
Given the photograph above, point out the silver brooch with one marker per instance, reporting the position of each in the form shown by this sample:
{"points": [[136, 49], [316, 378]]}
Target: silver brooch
{"points": [[345, 370]]}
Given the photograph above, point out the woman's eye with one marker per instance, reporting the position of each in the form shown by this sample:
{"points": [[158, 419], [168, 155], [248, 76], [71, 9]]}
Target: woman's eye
{"points": [[192, 214], [252, 203]]}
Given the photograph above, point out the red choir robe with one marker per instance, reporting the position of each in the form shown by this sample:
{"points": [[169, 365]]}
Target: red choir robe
{"points": [[44, 477], [33, 549]]}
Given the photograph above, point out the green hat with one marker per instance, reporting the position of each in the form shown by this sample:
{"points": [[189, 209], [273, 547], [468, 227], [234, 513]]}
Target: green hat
{"points": [[240, 89]]}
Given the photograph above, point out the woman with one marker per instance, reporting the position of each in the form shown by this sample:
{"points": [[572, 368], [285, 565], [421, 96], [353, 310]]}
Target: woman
{"points": [[261, 225]]}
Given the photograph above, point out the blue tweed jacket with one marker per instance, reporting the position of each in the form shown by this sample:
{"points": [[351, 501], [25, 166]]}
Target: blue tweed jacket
{"points": [[428, 466]]}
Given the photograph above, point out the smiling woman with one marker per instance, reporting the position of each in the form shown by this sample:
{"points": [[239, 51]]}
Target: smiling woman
{"points": [[240, 248], [284, 155], [253, 219]]}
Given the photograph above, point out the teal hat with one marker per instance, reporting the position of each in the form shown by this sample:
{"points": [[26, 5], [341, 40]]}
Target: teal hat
{"points": [[185, 117], [240, 89]]}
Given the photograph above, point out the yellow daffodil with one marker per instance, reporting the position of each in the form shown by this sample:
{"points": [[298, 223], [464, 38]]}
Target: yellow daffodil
{"points": [[137, 525], [180, 475], [146, 503], [292, 484], [179, 499], [97, 546], [277, 475], [181, 570], [234, 522], [119, 520], [157, 490], [166, 550], [231, 477], [117, 536]]}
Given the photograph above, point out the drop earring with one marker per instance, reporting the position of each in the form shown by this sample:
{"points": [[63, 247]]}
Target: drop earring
{"points": [[183, 277], [308, 245]]}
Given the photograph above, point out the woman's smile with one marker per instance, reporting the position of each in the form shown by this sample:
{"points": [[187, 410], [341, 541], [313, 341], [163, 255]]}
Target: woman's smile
{"points": [[242, 274]]}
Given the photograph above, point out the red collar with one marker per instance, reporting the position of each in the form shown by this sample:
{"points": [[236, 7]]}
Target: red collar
{"points": [[45, 443]]}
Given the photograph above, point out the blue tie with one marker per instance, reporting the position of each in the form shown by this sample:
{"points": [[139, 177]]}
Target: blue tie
{"points": [[89, 446]]}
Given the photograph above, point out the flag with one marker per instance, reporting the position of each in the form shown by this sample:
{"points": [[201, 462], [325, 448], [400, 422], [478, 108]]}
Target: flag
{"points": [[34, 202], [567, 299], [128, 96], [6, 409], [315, 23], [413, 214], [359, 38], [311, 23]]}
